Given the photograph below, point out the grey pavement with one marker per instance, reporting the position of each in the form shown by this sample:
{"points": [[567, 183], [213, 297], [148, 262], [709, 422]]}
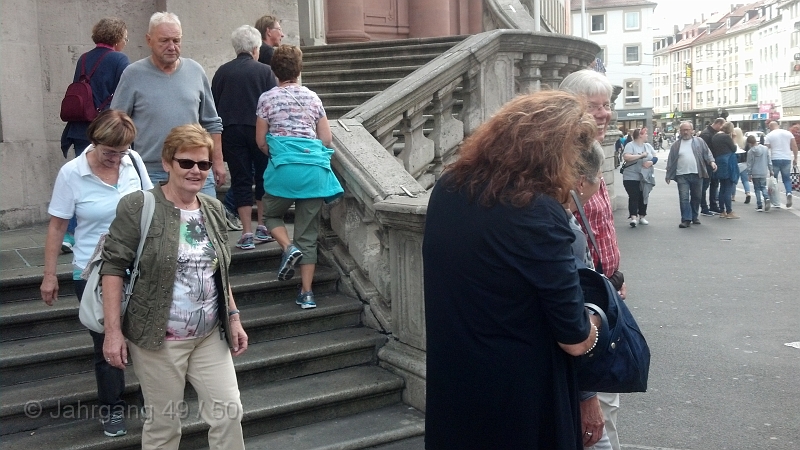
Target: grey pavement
{"points": [[717, 303]]}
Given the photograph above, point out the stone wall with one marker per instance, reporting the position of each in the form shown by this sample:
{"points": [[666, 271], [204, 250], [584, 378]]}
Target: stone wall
{"points": [[40, 43]]}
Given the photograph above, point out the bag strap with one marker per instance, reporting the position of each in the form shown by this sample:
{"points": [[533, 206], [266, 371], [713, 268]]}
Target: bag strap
{"points": [[144, 226], [588, 228], [138, 172], [83, 67]]}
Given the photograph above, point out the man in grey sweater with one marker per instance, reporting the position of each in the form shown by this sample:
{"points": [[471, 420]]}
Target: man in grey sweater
{"points": [[163, 91]]}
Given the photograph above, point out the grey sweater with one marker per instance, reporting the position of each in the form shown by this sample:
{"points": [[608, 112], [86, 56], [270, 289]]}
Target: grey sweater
{"points": [[758, 162], [158, 102]]}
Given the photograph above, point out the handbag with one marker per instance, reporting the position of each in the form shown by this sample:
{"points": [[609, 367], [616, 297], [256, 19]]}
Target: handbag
{"points": [[620, 361], [795, 177], [91, 308]]}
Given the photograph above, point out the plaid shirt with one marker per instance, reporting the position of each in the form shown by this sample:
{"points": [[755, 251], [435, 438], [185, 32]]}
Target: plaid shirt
{"points": [[601, 219]]}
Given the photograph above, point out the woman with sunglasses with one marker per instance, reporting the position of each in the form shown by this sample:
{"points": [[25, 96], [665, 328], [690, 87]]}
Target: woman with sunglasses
{"points": [[182, 305], [89, 188]]}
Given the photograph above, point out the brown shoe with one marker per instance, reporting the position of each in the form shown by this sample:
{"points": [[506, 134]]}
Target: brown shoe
{"points": [[723, 215], [731, 215]]}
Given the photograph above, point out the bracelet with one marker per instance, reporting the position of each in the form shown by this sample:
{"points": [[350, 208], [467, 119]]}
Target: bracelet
{"points": [[232, 312], [596, 337]]}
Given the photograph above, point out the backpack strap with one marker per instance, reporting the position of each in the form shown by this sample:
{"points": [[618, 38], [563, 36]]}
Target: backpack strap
{"points": [[83, 67]]}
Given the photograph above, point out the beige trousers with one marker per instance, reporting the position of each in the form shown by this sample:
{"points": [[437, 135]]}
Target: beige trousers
{"points": [[207, 364]]}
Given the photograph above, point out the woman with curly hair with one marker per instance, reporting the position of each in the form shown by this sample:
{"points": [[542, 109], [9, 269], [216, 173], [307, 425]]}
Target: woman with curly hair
{"points": [[503, 305]]}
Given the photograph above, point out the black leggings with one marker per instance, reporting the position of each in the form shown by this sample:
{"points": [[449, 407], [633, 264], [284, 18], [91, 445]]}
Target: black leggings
{"points": [[636, 204]]}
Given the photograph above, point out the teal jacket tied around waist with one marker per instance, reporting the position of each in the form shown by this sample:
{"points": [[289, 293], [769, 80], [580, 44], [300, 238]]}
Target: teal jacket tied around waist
{"points": [[300, 168]]}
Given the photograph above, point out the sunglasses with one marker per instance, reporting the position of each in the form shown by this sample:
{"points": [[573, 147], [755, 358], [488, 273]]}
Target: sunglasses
{"points": [[187, 164]]}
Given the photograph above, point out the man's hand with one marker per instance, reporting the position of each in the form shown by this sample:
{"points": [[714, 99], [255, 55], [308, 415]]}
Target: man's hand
{"points": [[714, 166], [220, 174]]}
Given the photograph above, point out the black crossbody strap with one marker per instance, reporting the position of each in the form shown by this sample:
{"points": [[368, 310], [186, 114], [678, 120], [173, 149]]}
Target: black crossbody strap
{"points": [[587, 227]]}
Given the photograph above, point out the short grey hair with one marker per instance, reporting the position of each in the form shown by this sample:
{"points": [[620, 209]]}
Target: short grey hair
{"points": [[591, 161], [162, 17], [245, 38], [587, 83]]}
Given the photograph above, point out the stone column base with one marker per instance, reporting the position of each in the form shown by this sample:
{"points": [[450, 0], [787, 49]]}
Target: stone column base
{"points": [[409, 363]]}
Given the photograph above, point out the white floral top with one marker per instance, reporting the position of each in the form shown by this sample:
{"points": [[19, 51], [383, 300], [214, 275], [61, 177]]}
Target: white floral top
{"points": [[194, 309]]}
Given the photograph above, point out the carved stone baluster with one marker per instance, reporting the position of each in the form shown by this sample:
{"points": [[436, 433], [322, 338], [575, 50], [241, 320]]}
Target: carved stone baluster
{"points": [[418, 150], [385, 134], [551, 70], [471, 112], [530, 73], [447, 130]]}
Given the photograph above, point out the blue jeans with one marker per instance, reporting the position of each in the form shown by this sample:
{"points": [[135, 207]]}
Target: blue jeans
{"points": [[689, 193], [784, 167], [744, 175], [725, 192], [760, 186], [208, 188]]}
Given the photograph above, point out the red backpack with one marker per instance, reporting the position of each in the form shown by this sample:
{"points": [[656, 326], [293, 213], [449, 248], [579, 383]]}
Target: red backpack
{"points": [[78, 102]]}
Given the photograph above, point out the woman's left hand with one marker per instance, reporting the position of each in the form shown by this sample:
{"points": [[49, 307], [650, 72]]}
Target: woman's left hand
{"points": [[592, 422], [647, 164], [239, 338]]}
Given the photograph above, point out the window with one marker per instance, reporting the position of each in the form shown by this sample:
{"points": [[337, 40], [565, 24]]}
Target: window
{"points": [[699, 98], [601, 54], [632, 53], [598, 23], [710, 96], [632, 20], [699, 75], [633, 90]]}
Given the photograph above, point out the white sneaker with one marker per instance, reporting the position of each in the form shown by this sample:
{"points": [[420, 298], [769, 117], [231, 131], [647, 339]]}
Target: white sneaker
{"points": [[633, 222], [643, 221]]}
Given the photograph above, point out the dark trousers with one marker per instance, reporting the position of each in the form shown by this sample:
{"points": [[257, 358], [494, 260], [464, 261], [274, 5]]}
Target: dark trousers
{"points": [[725, 191], [713, 195], [110, 380], [246, 163], [636, 204]]}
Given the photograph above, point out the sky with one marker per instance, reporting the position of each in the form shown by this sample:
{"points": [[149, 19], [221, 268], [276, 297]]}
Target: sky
{"points": [[680, 12]]}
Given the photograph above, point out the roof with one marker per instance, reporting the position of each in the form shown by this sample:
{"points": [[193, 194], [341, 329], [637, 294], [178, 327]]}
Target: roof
{"points": [[610, 4]]}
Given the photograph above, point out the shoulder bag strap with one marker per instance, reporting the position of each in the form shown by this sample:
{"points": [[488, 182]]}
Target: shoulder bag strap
{"points": [[144, 227], [588, 228], [138, 172]]}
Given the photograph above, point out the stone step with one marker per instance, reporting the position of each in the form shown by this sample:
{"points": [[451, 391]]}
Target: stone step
{"points": [[39, 403], [396, 47], [334, 87], [32, 318], [358, 74], [352, 99], [267, 408], [414, 443], [362, 62], [52, 356], [390, 425]]}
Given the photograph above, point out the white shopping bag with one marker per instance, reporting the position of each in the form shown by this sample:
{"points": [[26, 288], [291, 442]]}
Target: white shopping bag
{"points": [[772, 191]]}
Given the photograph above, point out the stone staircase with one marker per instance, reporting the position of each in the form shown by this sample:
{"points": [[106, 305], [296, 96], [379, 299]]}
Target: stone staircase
{"points": [[346, 75], [309, 379]]}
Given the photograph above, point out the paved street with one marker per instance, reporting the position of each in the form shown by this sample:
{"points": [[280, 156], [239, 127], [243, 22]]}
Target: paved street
{"points": [[717, 302]]}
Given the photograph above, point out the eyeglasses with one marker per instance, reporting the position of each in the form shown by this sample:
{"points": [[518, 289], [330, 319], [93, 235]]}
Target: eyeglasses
{"points": [[113, 154], [593, 107], [187, 164], [277, 28]]}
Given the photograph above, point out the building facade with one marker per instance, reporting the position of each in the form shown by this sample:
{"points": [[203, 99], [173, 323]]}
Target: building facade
{"points": [[624, 31]]}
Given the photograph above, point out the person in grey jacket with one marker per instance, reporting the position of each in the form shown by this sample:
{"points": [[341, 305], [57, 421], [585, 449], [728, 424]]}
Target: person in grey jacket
{"points": [[182, 310], [759, 165], [686, 164]]}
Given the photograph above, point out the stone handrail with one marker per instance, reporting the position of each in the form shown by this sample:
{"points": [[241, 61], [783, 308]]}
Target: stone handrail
{"points": [[390, 151]]}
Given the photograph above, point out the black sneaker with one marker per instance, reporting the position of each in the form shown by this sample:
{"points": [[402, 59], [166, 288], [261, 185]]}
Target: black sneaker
{"points": [[685, 224], [114, 425], [706, 213], [695, 221]]}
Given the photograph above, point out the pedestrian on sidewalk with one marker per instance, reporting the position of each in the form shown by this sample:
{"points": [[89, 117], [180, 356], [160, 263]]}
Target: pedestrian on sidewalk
{"points": [[710, 184], [759, 167], [89, 188], [686, 164], [782, 145], [638, 155], [727, 168]]}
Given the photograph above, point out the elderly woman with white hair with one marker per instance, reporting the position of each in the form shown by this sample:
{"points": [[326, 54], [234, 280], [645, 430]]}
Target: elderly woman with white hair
{"points": [[236, 86]]}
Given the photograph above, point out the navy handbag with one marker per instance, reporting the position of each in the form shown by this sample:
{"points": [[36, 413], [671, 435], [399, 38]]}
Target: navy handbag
{"points": [[620, 362]]}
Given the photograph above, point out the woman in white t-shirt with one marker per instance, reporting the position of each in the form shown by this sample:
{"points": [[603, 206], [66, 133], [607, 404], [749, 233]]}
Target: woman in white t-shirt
{"points": [[637, 155], [89, 187]]}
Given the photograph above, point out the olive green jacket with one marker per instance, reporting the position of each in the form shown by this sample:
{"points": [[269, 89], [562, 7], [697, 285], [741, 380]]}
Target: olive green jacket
{"points": [[145, 320]]}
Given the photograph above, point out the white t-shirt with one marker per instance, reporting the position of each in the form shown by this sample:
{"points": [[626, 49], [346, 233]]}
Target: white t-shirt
{"points": [[687, 163], [779, 142], [80, 192]]}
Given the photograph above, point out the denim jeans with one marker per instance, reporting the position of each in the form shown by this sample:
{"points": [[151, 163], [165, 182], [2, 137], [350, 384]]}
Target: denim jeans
{"points": [[760, 186], [725, 191], [689, 192], [784, 167], [744, 175], [110, 380], [209, 188]]}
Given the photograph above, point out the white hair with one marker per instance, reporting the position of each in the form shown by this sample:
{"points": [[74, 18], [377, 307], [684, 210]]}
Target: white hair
{"points": [[587, 82], [245, 38], [162, 17]]}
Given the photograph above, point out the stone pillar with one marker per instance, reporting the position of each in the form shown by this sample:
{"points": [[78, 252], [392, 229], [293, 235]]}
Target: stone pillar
{"points": [[311, 18], [428, 18], [346, 21]]}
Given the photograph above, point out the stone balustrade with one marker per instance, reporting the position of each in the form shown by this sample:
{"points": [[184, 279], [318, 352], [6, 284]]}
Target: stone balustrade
{"points": [[392, 149]]}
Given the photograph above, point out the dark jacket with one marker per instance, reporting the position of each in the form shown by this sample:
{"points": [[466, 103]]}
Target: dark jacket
{"points": [[237, 85], [145, 320], [103, 82], [265, 54], [722, 144], [701, 154]]}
